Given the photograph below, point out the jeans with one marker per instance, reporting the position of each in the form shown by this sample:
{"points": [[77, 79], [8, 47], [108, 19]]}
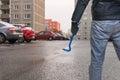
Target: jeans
{"points": [[101, 32]]}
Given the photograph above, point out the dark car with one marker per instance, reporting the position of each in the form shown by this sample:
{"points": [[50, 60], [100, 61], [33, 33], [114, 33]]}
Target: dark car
{"points": [[45, 35], [9, 32], [59, 36], [28, 33]]}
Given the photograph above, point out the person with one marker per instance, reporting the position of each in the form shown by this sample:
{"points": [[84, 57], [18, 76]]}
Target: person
{"points": [[105, 26]]}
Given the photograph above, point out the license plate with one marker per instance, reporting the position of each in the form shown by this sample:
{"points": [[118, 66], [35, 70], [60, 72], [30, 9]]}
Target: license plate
{"points": [[20, 35], [33, 37]]}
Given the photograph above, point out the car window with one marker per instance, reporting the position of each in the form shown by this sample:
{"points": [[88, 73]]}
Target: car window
{"points": [[1, 25], [46, 32], [59, 34], [28, 27], [17, 26], [40, 33]]}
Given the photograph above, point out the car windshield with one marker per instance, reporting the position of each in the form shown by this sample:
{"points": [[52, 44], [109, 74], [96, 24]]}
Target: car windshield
{"points": [[58, 34], [28, 27]]}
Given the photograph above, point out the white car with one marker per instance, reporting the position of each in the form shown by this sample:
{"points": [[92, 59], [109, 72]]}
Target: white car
{"points": [[9, 32]]}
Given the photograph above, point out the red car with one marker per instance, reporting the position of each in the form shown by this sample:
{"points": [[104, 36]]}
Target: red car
{"points": [[59, 36], [45, 35], [28, 33]]}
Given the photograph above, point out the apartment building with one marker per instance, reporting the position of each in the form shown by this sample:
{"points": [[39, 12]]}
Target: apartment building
{"points": [[85, 26], [4, 10], [29, 12], [52, 25]]}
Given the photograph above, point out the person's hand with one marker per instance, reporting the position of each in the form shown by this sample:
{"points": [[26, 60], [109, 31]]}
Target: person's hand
{"points": [[74, 27]]}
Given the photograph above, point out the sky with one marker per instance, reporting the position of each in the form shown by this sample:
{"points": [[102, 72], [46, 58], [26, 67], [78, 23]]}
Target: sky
{"points": [[61, 11]]}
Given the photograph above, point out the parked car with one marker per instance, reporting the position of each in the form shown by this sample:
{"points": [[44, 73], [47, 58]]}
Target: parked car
{"points": [[59, 36], [28, 33], [45, 35], [9, 32]]}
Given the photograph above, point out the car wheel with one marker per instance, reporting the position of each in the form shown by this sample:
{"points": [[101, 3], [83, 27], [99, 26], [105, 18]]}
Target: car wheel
{"points": [[12, 41], [28, 41], [50, 38], [21, 40], [2, 38]]}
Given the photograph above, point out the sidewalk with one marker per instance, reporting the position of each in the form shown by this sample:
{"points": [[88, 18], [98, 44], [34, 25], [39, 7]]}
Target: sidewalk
{"points": [[74, 65]]}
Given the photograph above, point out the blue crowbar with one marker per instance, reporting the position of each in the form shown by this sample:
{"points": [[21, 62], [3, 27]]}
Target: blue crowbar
{"points": [[69, 46]]}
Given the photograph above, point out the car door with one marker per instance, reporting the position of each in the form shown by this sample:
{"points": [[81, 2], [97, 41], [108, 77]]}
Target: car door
{"points": [[46, 34], [40, 35]]}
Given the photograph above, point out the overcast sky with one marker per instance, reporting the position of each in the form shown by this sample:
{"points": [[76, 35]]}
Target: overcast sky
{"points": [[61, 11]]}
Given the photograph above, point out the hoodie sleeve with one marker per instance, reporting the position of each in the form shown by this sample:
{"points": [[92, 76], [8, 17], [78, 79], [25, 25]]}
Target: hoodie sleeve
{"points": [[79, 9]]}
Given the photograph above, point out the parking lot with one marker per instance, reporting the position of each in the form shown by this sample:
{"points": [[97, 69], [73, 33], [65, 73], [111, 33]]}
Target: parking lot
{"points": [[45, 60]]}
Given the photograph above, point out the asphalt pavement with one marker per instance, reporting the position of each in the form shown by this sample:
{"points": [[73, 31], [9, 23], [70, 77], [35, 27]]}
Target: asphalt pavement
{"points": [[45, 60]]}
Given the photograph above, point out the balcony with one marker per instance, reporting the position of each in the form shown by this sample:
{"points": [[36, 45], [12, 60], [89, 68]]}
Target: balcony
{"points": [[4, 7], [5, 0], [4, 16]]}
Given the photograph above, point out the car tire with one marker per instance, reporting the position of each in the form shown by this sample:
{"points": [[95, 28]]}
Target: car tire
{"points": [[50, 38], [28, 40], [21, 40], [12, 41], [2, 39]]}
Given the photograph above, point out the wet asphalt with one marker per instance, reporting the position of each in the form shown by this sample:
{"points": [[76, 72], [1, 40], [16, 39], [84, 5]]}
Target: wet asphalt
{"points": [[45, 60]]}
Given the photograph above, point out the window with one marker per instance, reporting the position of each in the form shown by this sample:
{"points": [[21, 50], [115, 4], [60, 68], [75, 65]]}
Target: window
{"points": [[5, 11], [85, 27], [16, 7], [6, 3], [16, 16], [85, 33], [27, 7], [27, 16]]}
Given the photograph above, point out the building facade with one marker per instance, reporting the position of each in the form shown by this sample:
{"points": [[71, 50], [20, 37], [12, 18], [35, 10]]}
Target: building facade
{"points": [[85, 24], [4, 10], [29, 12], [52, 25]]}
